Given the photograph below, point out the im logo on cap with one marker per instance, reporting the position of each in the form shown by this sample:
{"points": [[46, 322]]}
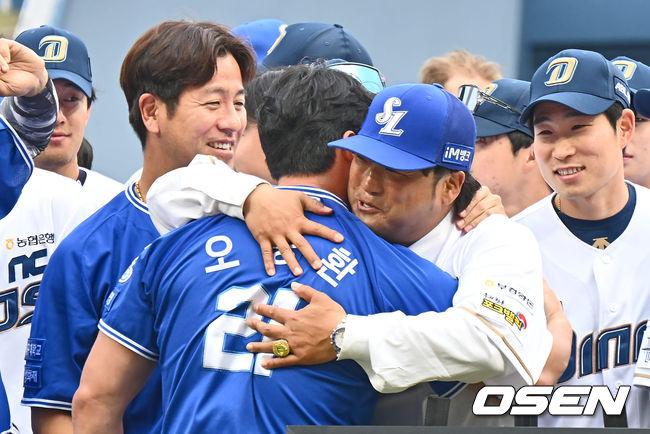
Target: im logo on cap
{"points": [[561, 70], [56, 48]]}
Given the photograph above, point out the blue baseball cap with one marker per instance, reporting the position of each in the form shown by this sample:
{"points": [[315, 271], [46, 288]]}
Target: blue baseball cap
{"points": [[415, 126], [260, 34], [315, 41], [65, 55], [492, 120], [582, 80], [637, 75]]}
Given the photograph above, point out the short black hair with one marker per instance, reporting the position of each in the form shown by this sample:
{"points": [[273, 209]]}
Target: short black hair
{"points": [[519, 141], [467, 191], [305, 108], [614, 113], [256, 89]]}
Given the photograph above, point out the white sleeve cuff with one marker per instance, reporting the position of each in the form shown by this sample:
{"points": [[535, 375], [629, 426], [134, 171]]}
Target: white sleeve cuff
{"points": [[207, 186], [358, 330]]}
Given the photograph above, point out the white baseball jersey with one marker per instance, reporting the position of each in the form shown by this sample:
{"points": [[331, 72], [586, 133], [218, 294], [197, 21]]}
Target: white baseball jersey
{"points": [[99, 189], [48, 209], [606, 296]]}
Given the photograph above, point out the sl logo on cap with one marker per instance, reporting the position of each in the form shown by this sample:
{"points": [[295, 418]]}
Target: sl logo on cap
{"points": [[561, 70], [56, 48], [626, 67], [389, 118]]}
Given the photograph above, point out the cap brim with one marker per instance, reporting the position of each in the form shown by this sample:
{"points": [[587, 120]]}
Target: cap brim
{"points": [[488, 128], [580, 102], [75, 79], [382, 153]]}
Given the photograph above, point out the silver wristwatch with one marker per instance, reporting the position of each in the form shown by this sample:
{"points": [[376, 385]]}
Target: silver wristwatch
{"points": [[337, 337]]}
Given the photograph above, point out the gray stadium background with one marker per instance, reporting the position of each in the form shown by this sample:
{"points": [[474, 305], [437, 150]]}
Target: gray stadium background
{"points": [[399, 34]]}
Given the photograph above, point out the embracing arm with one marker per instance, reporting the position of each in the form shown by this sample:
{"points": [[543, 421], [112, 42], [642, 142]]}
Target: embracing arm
{"points": [[396, 350], [112, 376], [496, 328], [275, 217]]}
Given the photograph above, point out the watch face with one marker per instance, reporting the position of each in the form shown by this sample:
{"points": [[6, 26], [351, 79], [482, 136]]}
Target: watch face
{"points": [[337, 337]]}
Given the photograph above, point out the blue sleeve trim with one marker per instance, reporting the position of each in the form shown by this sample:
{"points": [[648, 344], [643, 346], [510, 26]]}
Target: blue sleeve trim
{"points": [[127, 342], [46, 403]]}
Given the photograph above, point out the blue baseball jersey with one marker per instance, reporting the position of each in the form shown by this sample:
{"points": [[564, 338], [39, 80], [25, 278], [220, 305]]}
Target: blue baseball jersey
{"points": [[15, 168], [184, 302], [5, 418], [82, 270]]}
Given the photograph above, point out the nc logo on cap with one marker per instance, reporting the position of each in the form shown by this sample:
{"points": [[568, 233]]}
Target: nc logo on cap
{"points": [[56, 48], [389, 118], [490, 88], [561, 70], [626, 67]]}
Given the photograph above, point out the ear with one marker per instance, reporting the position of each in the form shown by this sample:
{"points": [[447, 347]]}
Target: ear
{"points": [[626, 126], [449, 187], [344, 154], [347, 155], [529, 154], [150, 112]]}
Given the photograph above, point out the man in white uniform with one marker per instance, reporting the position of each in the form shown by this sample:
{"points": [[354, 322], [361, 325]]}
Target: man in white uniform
{"points": [[593, 233], [47, 208], [68, 65]]}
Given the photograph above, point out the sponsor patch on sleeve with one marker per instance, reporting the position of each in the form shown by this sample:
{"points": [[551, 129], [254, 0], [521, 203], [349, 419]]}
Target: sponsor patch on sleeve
{"points": [[32, 377], [34, 350], [108, 304]]}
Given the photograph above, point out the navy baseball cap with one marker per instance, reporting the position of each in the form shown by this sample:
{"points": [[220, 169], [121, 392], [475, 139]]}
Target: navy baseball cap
{"points": [[492, 120], [65, 55], [415, 126], [315, 41], [261, 34], [637, 75], [582, 80]]}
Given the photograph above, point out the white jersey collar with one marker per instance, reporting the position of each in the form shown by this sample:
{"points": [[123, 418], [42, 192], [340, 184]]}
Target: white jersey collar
{"points": [[430, 246]]}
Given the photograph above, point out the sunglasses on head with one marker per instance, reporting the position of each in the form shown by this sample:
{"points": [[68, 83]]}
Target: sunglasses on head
{"points": [[473, 97], [368, 75]]}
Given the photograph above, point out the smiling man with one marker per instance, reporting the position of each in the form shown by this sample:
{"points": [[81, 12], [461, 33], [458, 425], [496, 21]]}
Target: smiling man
{"points": [[68, 65], [593, 231], [184, 86]]}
